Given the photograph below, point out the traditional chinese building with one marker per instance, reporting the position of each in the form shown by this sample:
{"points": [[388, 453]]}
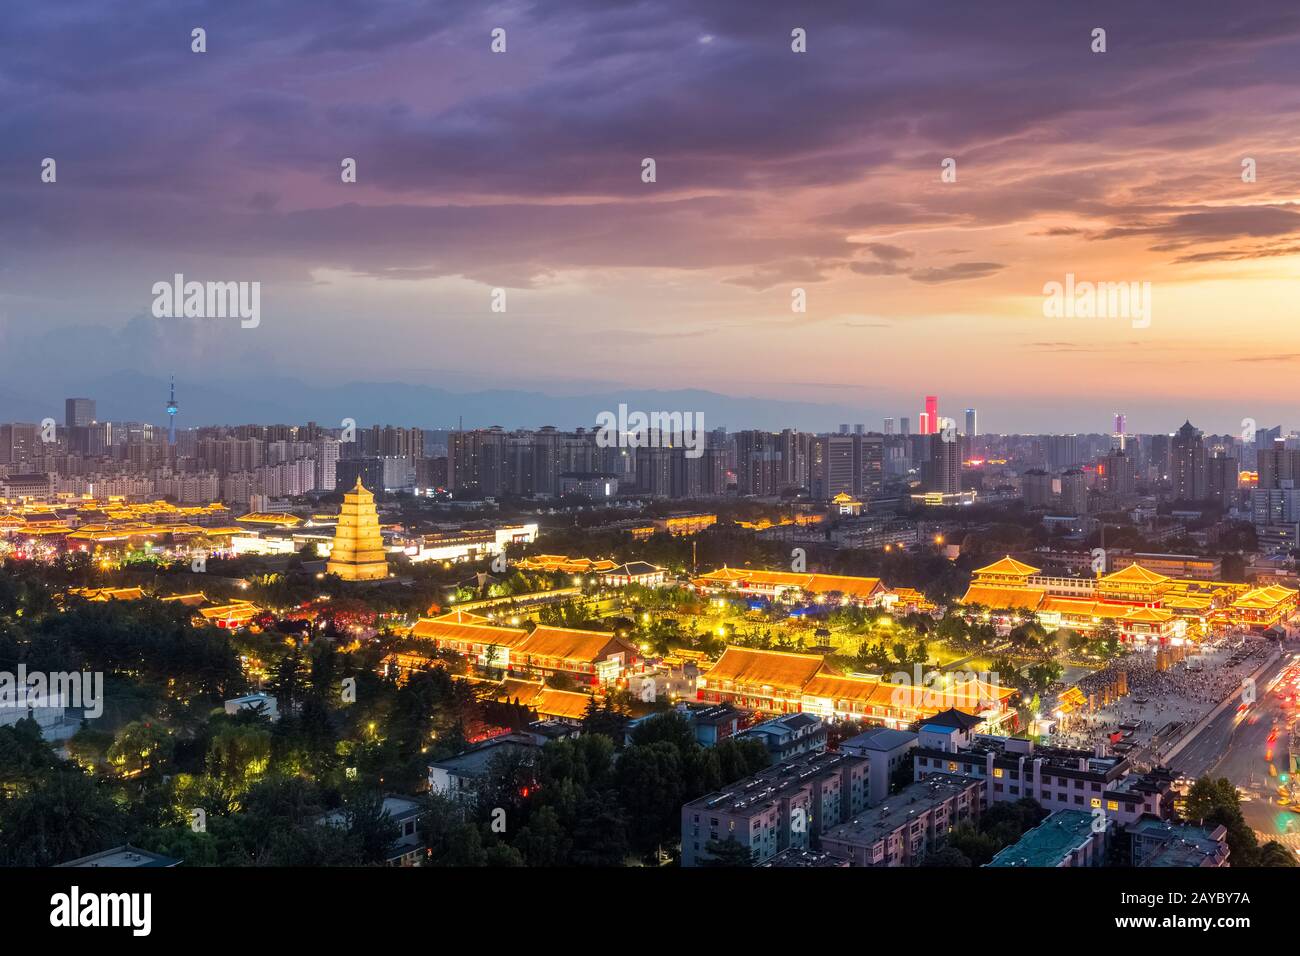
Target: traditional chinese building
{"points": [[784, 682], [593, 657], [1143, 605], [785, 584], [358, 552]]}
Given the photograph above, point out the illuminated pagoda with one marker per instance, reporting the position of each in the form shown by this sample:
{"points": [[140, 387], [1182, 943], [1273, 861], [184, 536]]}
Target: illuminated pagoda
{"points": [[358, 552]]}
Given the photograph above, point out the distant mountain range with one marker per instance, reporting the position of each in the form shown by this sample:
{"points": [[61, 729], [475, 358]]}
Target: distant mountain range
{"points": [[127, 397]]}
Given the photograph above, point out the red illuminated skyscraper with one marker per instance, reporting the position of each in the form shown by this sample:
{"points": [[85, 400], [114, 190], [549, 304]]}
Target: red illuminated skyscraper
{"points": [[931, 415]]}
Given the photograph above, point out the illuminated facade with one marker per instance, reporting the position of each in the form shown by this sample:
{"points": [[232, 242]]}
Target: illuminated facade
{"points": [[785, 584], [785, 682], [1143, 605], [358, 552], [591, 657]]}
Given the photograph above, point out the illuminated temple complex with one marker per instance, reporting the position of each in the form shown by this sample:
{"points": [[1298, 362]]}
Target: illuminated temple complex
{"points": [[1144, 605], [783, 682], [778, 585], [358, 551]]}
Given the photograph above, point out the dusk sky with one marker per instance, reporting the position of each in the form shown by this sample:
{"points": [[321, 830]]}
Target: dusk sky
{"points": [[775, 170]]}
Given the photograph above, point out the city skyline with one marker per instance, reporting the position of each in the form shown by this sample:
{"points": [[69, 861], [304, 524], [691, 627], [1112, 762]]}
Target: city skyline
{"points": [[365, 404], [1069, 162]]}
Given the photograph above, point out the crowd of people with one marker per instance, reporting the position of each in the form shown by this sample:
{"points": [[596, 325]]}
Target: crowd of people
{"points": [[1157, 700]]}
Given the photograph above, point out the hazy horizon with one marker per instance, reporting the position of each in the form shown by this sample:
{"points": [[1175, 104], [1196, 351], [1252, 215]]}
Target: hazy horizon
{"points": [[775, 171]]}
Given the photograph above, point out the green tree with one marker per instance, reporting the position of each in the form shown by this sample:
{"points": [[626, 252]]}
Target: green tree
{"points": [[726, 853], [946, 855], [66, 816]]}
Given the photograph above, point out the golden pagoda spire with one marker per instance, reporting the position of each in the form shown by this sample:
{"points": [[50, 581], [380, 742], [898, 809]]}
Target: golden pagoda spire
{"points": [[358, 552]]}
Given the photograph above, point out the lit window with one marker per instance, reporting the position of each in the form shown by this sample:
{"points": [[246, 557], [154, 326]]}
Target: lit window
{"points": [[1096, 802], [997, 772]]}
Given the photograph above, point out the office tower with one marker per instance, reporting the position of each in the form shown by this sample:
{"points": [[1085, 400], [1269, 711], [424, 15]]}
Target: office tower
{"points": [[972, 427], [358, 552], [1036, 488], [844, 429], [1221, 477], [944, 466], [905, 425], [924, 426], [1118, 436], [78, 412], [931, 414], [1187, 464], [1074, 492], [889, 426]]}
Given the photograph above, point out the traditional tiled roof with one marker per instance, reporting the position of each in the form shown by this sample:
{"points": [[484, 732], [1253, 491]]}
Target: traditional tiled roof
{"points": [[1028, 599], [833, 687], [564, 564], [1264, 598], [635, 569], [954, 718], [1067, 605], [196, 599], [571, 644], [1187, 602], [236, 610], [278, 518], [1133, 574], [1150, 615], [779, 670], [845, 584], [462, 617], [547, 701], [812, 583], [441, 629], [109, 594], [1007, 565]]}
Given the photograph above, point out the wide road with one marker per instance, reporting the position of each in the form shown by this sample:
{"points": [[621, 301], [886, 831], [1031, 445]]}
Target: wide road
{"points": [[1236, 745]]}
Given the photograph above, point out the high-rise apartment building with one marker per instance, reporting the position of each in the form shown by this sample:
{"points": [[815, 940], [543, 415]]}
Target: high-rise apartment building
{"points": [[943, 469], [1036, 488], [1221, 474], [1116, 474], [327, 460], [1187, 464], [833, 466], [1277, 464], [1074, 492]]}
